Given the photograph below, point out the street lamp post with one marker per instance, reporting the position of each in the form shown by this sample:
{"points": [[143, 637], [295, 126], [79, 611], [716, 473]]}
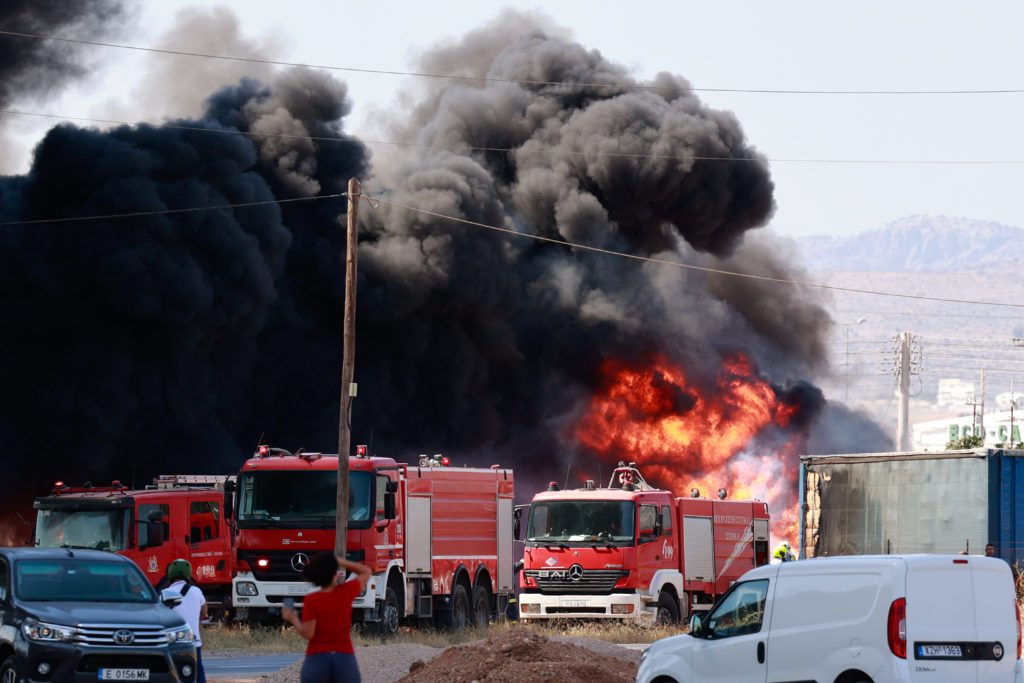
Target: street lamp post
{"points": [[846, 360]]}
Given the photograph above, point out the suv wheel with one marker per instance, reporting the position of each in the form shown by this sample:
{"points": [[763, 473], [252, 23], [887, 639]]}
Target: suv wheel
{"points": [[9, 671]]}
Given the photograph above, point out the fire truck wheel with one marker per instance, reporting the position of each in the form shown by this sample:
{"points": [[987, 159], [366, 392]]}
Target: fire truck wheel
{"points": [[457, 618], [668, 609], [9, 671], [388, 625], [481, 607]]}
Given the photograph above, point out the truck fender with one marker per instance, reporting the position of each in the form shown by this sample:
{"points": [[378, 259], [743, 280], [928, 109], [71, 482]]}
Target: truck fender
{"points": [[480, 571], [662, 578], [379, 582]]}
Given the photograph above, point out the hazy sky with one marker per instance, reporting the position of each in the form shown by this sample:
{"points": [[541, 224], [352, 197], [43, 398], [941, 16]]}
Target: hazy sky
{"points": [[780, 45]]}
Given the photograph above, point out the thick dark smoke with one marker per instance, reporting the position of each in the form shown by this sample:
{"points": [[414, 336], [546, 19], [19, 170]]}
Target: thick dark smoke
{"points": [[30, 67], [173, 342]]}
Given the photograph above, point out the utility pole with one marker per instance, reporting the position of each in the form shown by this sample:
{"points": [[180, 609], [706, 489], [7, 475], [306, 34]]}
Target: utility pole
{"points": [[981, 413], [903, 419], [348, 362]]}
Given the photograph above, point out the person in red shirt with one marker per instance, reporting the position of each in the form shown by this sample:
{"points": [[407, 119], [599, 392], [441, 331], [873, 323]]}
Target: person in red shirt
{"points": [[327, 620]]}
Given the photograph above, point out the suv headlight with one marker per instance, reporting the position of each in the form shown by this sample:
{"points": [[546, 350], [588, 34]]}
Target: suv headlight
{"points": [[246, 588], [182, 634], [37, 630]]}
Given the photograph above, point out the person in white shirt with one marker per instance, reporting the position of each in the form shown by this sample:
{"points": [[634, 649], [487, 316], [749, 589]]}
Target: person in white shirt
{"points": [[192, 608]]}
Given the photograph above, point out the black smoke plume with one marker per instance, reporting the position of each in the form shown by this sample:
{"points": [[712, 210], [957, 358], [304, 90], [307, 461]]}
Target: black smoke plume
{"points": [[31, 67], [171, 343]]}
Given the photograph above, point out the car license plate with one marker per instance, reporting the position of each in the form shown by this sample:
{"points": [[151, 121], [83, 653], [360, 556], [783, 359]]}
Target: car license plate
{"points": [[950, 651], [124, 674], [574, 603], [298, 590]]}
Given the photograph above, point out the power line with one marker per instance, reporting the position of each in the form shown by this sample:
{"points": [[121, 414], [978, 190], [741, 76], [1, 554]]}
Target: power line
{"points": [[162, 212], [491, 79], [525, 150], [687, 266]]}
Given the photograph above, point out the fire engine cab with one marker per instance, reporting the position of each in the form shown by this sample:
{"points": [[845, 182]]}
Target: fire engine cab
{"points": [[634, 552], [438, 538], [178, 516]]}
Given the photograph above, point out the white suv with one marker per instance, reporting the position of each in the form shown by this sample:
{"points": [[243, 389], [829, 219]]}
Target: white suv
{"points": [[934, 618]]}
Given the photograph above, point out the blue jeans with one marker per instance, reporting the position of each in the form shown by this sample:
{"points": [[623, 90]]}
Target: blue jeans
{"points": [[200, 672], [330, 667]]}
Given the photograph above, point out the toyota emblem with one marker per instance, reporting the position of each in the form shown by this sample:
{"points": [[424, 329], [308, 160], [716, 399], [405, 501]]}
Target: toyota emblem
{"points": [[124, 637], [575, 572], [299, 561]]}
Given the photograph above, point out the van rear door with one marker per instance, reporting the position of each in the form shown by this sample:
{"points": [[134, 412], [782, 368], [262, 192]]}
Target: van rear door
{"points": [[995, 617], [940, 619]]}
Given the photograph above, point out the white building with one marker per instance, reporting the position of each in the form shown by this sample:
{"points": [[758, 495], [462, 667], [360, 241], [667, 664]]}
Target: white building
{"points": [[934, 434]]}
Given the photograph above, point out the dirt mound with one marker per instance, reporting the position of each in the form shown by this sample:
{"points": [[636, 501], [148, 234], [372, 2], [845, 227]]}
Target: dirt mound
{"points": [[523, 655]]}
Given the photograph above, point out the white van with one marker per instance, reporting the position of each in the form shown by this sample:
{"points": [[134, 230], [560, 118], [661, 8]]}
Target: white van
{"points": [[934, 618]]}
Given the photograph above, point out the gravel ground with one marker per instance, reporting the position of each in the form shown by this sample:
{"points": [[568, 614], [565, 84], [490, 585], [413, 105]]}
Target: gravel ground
{"points": [[508, 657]]}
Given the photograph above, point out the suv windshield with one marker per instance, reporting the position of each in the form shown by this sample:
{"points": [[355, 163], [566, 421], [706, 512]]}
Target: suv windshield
{"points": [[78, 580], [309, 496], [582, 521], [99, 529]]}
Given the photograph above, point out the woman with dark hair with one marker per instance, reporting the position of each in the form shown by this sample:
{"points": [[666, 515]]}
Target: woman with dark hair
{"points": [[327, 620]]}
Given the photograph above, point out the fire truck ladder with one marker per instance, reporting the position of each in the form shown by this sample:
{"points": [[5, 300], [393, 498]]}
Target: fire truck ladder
{"points": [[192, 481]]}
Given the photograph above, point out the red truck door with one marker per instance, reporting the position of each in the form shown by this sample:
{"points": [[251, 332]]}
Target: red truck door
{"points": [[208, 547], [654, 549], [152, 560]]}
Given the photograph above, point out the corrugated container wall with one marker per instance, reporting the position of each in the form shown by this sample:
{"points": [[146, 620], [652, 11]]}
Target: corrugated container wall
{"points": [[928, 502]]}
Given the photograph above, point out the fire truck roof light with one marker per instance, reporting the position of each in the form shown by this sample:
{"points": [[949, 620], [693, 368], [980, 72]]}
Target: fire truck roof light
{"points": [[722, 493], [58, 484], [361, 451], [445, 462], [694, 493], [264, 451], [553, 486]]}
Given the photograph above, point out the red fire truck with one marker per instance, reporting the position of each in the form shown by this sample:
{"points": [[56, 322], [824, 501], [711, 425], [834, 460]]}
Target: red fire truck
{"points": [[634, 552], [438, 538], [177, 516]]}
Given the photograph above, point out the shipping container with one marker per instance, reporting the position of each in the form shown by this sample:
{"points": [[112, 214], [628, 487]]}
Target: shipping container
{"points": [[921, 502]]}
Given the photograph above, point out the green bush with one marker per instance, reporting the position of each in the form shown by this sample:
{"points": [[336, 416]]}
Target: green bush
{"points": [[965, 443]]}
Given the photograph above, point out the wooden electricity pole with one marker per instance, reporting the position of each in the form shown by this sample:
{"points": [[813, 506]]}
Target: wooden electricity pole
{"points": [[348, 362]]}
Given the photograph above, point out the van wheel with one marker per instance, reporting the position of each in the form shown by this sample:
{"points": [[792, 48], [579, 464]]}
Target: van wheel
{"points": [[456, 618], [9, 671], [389, 614], [481, 607], [668, 609]]}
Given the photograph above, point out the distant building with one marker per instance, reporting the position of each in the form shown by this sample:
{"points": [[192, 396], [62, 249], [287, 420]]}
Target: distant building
{"points": [[934, 434]]}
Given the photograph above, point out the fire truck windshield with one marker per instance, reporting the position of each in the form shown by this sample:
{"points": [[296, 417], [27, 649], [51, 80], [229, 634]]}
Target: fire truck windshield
{"points": [[290, 498], [99, 529], [608, 522]]}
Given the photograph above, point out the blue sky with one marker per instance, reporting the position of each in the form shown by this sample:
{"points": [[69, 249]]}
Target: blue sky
{"points": [[779, 45]]}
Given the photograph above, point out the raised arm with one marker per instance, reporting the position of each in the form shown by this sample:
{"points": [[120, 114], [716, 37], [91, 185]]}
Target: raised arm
{"points": [[361, 571]]}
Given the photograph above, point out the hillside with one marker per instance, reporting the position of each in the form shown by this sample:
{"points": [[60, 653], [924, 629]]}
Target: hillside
{"points": [[917, 244]]}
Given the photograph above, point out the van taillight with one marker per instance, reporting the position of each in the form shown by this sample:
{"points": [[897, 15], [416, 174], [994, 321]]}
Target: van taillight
{"points": [[898, 628], [1016, 607]]}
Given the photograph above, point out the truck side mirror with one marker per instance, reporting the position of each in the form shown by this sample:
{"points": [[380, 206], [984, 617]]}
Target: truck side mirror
{"points": [[516, 516], [229, 499], [390, 511]]}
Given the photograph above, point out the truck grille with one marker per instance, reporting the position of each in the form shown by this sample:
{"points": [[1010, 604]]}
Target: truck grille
{"points": [[105, 634], [281, 564], [561, 582]]}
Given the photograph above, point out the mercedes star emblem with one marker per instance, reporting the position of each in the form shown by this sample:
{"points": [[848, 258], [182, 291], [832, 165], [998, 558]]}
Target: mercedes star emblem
{"points": [[124, 637], [575, 572], [299, 561]]}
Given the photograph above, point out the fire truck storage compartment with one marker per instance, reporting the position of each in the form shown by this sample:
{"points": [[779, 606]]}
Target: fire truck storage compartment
{"points": [[506, 575], [698, 549], [418, 536]]}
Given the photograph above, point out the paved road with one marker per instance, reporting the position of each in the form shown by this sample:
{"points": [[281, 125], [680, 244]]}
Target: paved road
{"points": [[247, 666]]}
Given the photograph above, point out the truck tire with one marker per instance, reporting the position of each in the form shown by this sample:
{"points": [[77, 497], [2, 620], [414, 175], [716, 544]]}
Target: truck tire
{"points": [[668, 609], [389, 614], [9, 671], [457, 617], [481, 607]]}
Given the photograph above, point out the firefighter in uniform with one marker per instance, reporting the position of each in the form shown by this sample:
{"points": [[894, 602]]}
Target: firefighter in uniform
{"points": [[782, 553]]}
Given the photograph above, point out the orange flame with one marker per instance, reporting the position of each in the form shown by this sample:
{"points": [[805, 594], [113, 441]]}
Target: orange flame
{"points": [[685, 436]]}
